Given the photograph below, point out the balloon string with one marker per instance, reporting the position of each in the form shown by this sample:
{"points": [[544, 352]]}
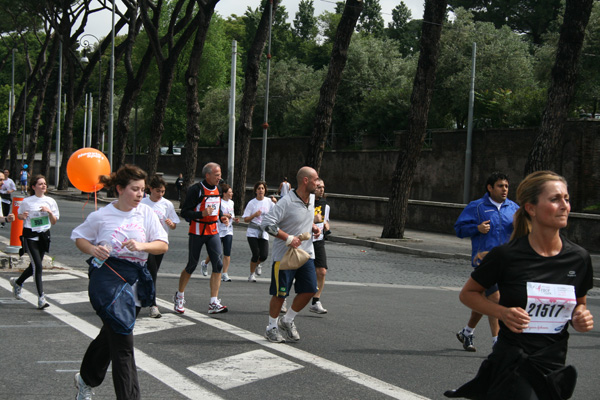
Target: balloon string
{"points": [[95, 198], [82, 208]]}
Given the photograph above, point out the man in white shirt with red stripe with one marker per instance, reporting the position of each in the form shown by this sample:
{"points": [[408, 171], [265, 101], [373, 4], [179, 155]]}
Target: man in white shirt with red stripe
{"points": [[202, 209]]}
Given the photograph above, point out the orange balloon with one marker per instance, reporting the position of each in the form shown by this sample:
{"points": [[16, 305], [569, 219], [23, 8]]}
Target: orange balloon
{"points": [[85, 167]]}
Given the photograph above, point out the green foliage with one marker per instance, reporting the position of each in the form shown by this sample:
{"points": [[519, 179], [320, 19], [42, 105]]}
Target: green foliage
{"points": [[405, 31], [587, 96], [293, 96], [532, 17], [329, 22], [305, 23], [370, 20], [375, 90], [504, 73], [213, 74]]}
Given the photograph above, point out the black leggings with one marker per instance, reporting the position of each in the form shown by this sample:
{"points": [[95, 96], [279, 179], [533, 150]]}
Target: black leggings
{"points": [[36, 255], [153, 266], [112, 347], [259, 248]]}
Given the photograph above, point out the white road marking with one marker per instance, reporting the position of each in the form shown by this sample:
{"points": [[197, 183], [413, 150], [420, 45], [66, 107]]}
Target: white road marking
{"points": [[145, 324], [337, 283], [242, 369], [330, 366], [59, 276], [152, 366], [69, 297], [335, 368]]}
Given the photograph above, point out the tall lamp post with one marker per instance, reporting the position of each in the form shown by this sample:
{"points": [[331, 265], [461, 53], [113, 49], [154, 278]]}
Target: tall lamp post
{"points": [[86, 47], [112, 89], [11, 105]]}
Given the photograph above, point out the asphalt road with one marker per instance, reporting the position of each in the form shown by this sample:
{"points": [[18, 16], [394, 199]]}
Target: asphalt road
{"points": [[389, 332]]}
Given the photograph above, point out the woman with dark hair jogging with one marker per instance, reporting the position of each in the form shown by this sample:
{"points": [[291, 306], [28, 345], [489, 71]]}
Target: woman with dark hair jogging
{"points": [[165, 211], [119, 237], [39, 213], [257, 239]]}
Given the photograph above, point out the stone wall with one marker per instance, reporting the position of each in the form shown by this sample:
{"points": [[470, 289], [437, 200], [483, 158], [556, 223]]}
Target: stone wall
{"points": [[440, 171], [430, 216]]}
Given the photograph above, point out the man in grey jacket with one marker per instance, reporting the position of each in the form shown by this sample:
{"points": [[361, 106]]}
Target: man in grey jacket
{"points": [[290, 217]]}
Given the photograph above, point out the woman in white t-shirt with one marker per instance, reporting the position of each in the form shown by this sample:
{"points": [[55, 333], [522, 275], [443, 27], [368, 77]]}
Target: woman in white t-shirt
{"points": [[119, 236], [38, 212], [257, 239], [165, 211], [225, 230]]}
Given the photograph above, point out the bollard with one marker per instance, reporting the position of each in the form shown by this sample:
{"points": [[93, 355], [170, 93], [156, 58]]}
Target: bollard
{"points": [[16, 227]]}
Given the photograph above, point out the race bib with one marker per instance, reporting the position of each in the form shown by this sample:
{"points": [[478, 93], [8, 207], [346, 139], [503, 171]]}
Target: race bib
{"points": [[40, 221], [215, 202], [550, 306]]}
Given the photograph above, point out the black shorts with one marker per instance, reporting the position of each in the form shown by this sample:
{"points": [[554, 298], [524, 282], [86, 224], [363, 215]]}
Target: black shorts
{"points": [[320, 256]]}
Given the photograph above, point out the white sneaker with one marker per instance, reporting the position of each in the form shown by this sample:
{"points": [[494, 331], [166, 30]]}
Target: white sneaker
{"points": [[225, 277], [42, 303], [178, 302], [288, 330], [84, 392], [252, 278], [318, 308], [154, 312], [217, 307], [16, 288], [204, 267], [274, 336], [259, 269]]}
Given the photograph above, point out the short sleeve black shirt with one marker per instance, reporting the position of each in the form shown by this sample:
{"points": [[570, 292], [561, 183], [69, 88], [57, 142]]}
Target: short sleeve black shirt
{"points": [[514, 264]]}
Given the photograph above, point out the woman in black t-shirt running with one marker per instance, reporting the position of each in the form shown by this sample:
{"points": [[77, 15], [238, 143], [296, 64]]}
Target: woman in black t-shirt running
{"points": [[543, 280]]}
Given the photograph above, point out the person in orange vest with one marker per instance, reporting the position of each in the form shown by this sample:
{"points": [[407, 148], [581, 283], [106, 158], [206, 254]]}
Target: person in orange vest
{"points": [[202, 209]]}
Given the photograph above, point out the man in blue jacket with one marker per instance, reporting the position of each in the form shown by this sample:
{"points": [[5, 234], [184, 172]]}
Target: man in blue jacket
{"points": [[488, 221]]}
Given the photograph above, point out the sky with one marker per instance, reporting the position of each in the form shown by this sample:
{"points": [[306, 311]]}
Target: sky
{"points": [[99, 23]]}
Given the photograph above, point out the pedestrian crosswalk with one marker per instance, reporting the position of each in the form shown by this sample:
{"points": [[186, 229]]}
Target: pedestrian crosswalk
{"points": [[220, 374]]}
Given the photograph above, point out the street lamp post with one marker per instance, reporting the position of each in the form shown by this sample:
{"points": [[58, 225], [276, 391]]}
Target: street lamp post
{"points": [[11, 103], [86, 46], [57, 153], [112, 88]]}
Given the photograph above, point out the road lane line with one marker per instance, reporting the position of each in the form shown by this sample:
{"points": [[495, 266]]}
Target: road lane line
{"points": [[333, 367], [152, 366]]}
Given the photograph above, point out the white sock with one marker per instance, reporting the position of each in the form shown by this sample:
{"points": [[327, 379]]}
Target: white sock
{"points": [[468, 331], [272, 323], [289, 315], [214, 300], [494, 340], [179, 294]]}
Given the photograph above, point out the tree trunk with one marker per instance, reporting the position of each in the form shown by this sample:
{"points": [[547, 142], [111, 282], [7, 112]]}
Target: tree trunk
{"points": [[193, 107], [66, 137], [243, 134], [339, 56], [412, 141], [130, 95], [132, 89], [22, 104], [75, 89], [544, 152], [166, 67], [41, 89]]}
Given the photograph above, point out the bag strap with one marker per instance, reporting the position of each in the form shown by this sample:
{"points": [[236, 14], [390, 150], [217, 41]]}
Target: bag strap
{"points": [[114, 271]]}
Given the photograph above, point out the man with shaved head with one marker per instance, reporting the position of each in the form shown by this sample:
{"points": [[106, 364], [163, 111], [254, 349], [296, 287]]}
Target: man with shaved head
{"points": [[290, 217]]}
